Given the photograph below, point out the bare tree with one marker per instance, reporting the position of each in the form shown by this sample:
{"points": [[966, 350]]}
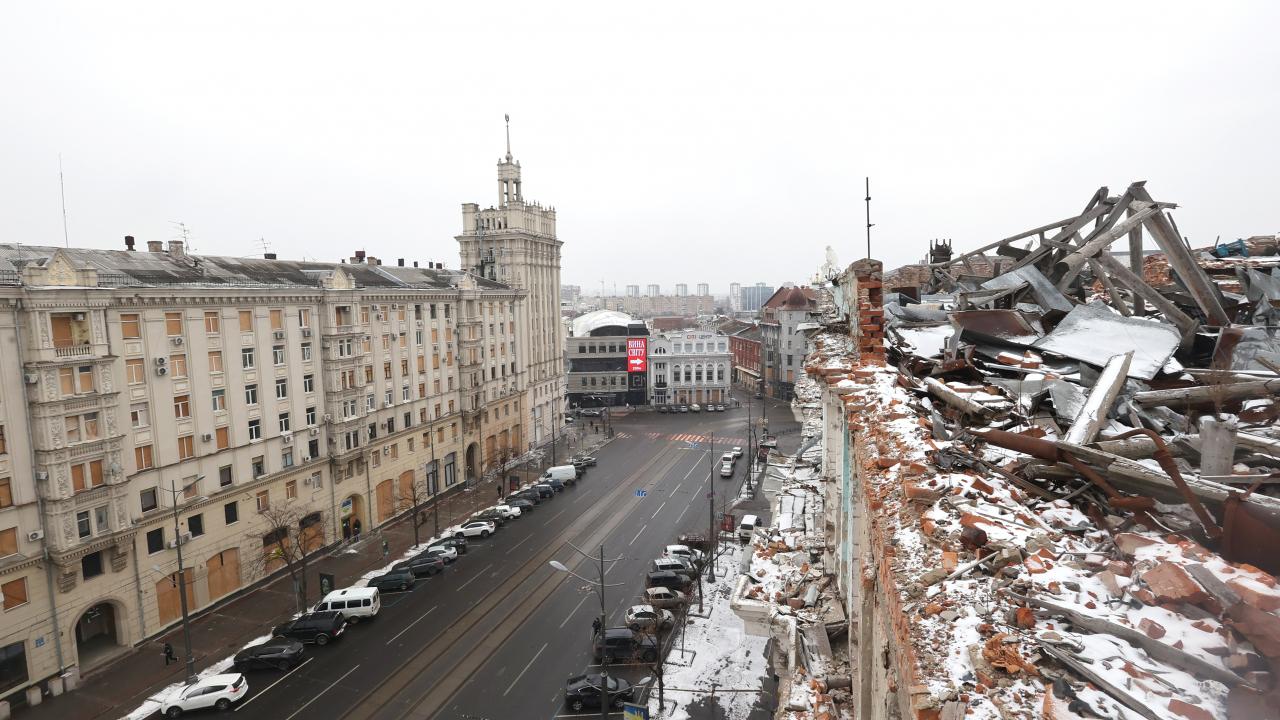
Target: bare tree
{"points": [[412, 497], [290, 539]]}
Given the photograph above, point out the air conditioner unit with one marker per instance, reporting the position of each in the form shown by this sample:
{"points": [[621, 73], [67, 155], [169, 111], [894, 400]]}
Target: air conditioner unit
{"points": [[306, 332], [162, 371], [35, 535], [286, 439], [162, 361], [177, 341], [375, 308], [328, 418], [206, 436], [386, 450], [31, 378], [42, 475], [315, 431], [278, 334]]}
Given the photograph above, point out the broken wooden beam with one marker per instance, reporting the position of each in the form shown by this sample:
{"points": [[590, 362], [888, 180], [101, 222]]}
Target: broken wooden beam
{"points": [[940, 390], [1217, 446], [1215, 393], [1102, 396]]}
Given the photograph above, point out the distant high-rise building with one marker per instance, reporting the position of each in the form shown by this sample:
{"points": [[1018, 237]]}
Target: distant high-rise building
{"points": [[633, 291], [682, 290], [652, 290], [704, 289], [755, 296], [735, 297]]}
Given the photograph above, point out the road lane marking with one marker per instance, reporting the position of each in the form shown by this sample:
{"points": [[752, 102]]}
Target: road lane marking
{"points": [[655, 512], [277, 682], [553, 517], [477, 575], [682, 512], [580, 498], [638, 534], [322, 692], [415, 622], [526, 668], [574, 611]]}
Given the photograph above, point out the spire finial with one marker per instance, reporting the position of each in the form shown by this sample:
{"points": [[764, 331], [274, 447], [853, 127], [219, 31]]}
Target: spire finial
{"points": [[507, 117]]}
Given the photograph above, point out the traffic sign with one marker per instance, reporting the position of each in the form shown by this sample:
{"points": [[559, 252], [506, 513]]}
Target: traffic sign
{"points": [[640, 492]]}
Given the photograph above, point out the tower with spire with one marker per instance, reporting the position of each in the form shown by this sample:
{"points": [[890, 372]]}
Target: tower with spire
{"points": [[514, 242]]}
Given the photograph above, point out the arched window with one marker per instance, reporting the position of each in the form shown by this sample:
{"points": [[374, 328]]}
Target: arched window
{"points": [[675, 373]]}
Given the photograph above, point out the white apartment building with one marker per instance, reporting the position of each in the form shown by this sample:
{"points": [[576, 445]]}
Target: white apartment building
{"points": [[137, 381], [687, 367], [515, 243]]}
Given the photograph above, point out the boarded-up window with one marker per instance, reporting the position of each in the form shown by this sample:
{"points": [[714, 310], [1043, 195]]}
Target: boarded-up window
{"points": [[6, 492], [246, 321], [277, 319], [8, 542], [15, 593], [130, 327], [224, 439], [173, 323]]}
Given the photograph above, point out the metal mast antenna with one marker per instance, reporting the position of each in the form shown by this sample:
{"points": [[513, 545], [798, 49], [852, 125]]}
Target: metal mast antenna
{"points": [[869, 225], [62, 191], [507, 117]]}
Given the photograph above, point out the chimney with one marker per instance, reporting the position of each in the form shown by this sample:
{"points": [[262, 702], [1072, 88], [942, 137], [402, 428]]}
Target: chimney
{"points": [[155, 246], [128, 243], [270, 256], [400, 262], [175, 248], [359, 256]]}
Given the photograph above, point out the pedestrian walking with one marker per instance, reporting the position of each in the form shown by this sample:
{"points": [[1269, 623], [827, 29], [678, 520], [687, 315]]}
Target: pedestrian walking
{"points": [[169, 658], [355, 530], [595, 626], [499, 489]]}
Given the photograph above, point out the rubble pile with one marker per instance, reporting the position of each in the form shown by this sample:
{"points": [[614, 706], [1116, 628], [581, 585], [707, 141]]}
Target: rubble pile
{"points": [[1070, 468]]}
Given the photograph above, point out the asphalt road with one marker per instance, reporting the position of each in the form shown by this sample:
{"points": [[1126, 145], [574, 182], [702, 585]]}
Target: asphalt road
{"points": [[497, 633]]}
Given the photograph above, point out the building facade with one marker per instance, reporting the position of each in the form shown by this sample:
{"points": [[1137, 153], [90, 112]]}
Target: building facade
{"points": [[687, 367], [745, 347], [597, 351], [515, 243], [783, 341], [735, 297], [650, 306], [753, 297], [266, 401]]}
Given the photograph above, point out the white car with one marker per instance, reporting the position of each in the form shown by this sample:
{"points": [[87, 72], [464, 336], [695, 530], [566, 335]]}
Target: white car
{"points": [[444, 552], [684, 551], [728, 457], [726, 469], [507, 511], [475, 528], [215, 691], [647, 618], [737, 451]]}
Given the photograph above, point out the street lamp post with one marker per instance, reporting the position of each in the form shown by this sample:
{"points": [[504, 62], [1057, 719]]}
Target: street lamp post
{"points": [[599, 585], [713, 535], [182, 580]]}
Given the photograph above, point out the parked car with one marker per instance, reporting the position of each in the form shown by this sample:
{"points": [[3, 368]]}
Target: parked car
{"points": [[278, 653], [355, 603], [591, 412], [444, 552], [588, 460], [510, 511], [556, 484], [584, 692], [647, 618], [726, 470], [664, 597], [527, 494], [393, 580], [544, 490], [621, 644], [215, 691], [737, 451], [316, 627], [684, 551], [491, 515], [524, 505], [676, 565], [421, 565], [759, 396], [457, 543], [566, 474], [684, 408], [695, 408], [663, 409], [475, 528], [667, 579]]}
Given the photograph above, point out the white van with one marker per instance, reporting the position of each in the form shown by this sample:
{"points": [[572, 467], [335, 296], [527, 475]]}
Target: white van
{"points": [[566, 474], [747, 527], [354, 603]]}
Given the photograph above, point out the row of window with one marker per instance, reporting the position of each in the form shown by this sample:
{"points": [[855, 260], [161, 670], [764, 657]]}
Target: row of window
{"points": [[693, 373]]}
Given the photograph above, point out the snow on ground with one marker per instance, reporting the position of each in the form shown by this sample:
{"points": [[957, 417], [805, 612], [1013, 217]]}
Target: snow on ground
{"points": [[152, 704], [716, 649]]}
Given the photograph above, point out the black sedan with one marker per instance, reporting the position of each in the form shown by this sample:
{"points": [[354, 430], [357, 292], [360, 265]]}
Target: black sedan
{"points": [[583, 692], [421, 565], [278, 653], [525, 506], [457, 543], [532, 496], [394, 580]]}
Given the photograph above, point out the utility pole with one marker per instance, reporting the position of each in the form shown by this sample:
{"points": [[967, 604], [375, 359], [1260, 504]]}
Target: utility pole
{"points": [[869, 226], [182, 581], [604, 618], [433, 483], [713, 537]]}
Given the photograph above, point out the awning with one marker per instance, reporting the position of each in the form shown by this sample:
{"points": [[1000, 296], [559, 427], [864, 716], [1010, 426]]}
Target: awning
{"points": [[742, 369]]}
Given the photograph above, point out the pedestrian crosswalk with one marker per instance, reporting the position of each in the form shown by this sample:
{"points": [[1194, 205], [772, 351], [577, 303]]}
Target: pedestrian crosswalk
{"points": [[686, 437]]}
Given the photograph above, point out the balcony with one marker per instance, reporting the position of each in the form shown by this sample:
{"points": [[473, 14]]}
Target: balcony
{"points": [[72, 351]]}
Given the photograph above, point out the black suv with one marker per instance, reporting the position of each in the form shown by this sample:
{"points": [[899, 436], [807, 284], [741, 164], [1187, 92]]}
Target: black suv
{"points": [[421, 565], [529, 494], [666, 579], [402, 579], [621, 644], [526, 506], [279, 653], [492, 516], [316, 627], [583, 692]]}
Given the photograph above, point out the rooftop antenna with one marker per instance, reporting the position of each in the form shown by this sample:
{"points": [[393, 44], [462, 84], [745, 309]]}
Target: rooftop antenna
{"points": [[869, 225], [62, 190], [183, 233], [507, 117]]}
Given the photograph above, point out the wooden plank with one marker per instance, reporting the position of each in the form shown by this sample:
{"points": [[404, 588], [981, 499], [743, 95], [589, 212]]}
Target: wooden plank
{"points": [[1181, 262], [1122, 275], [1221, 393], [1217, 446], [1113, 294], [1070, 266], [1135, 262], [1102, 396]]}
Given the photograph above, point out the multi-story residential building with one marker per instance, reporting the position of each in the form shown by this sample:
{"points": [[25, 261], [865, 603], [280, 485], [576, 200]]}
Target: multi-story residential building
{"points": [[704, 289], [745, 348], [596, 350], [682, 289], [754, 296], [229, 388], [652, 290], [735, 297], [657, 305], [689, 366], [783, 338], [515, 244], [633, 291]]}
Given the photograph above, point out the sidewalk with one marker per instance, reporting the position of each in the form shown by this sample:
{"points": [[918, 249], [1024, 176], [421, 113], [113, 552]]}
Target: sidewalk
{"points": [[117, 689]]}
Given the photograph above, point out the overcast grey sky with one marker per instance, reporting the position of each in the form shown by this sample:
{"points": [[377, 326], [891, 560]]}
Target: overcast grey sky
{"points": [[679, 142]]}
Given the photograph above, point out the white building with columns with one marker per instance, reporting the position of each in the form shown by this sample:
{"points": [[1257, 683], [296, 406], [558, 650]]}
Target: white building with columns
{"points": [[687, 367]]}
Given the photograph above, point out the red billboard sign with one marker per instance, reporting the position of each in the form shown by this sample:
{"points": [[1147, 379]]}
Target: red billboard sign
{"points": [[637, 355]]}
